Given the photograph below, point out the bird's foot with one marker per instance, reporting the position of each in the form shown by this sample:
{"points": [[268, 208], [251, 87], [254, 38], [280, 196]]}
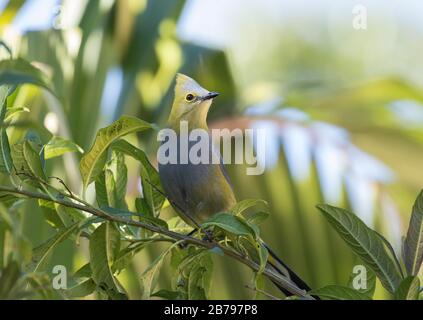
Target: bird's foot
{"points": [[208, 236]]}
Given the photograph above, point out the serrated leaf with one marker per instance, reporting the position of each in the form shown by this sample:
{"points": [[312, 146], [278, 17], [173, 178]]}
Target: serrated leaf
{"points": [[104, 248], [41, 252], [334, 292], [365, 243], [413, 245], [58, 146], [243, 205], [232, 224], [408, 289], [93, 161]]}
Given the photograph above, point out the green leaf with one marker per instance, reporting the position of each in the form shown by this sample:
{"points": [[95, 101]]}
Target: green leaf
{"points": [[19, 71], [199, 278], [82, 289], [148, 278], [365, 243], [125, 256], [104, 248], [413, 245], [232, 224], [257, 218], [52, 217], [10, 11], [8, 278], [166, 294], [110, 187], [93, 161], [83, 273], [27, 161], [101, 191], [41, 252], [243, 205], [369, 278], [58, 146], [120, 174], [6, 163], [334, 292], [153, 196], [263, 254], [12, 112], [408, 289]]}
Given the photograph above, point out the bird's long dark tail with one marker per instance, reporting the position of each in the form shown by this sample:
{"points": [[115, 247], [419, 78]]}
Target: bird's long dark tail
{"points": [[277, 263]]}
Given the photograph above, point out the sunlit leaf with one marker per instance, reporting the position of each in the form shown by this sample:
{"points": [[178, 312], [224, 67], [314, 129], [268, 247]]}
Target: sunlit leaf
{"points": [[10, 11], [243, 205], [58, 146], [93, 161], [19, 71]]}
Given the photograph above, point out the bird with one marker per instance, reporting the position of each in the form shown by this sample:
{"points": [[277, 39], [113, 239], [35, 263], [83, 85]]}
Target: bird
{"points": [[197, 191]]}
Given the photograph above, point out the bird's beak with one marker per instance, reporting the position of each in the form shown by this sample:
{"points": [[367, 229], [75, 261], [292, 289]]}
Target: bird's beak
{"points": [[210, 95]]}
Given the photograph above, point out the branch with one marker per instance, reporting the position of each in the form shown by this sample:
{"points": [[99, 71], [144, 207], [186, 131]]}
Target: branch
{"points": [[84, 206]]}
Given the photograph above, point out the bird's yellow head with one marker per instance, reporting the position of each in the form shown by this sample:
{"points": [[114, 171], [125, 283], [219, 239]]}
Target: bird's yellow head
{"points": [[191, 103]]}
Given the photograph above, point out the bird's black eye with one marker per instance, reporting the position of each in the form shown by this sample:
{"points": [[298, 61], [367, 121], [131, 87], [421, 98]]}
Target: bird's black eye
{"points": [[189, 97]]}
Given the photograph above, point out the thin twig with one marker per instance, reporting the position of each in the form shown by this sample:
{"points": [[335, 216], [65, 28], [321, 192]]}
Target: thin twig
{"points": [[285, 283], [63, 184]]}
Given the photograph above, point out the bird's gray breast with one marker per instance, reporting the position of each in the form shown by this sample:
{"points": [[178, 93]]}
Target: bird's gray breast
{"points": [[196, 188]]}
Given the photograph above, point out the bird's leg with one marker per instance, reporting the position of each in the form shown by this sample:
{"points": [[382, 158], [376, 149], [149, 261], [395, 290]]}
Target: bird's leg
{"points": [[183, 245], [208, 236]]}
